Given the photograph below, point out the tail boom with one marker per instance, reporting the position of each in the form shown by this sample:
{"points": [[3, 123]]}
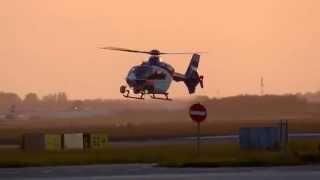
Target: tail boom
{"points": [[191, 78]]}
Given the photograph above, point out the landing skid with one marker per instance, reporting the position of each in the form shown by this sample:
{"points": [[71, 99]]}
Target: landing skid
{"points": [[126, 94], [153, 96], [133, 97], [141, 97]]}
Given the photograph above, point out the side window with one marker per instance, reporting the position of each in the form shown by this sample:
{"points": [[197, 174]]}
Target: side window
{"points": [[157, 75]]}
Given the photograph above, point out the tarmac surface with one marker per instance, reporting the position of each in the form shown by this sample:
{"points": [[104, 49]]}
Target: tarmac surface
{"points": [[152, 172]]}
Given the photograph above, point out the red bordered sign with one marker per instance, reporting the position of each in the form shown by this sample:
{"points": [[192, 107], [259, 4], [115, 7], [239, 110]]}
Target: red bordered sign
{"points": [[198, 112]]}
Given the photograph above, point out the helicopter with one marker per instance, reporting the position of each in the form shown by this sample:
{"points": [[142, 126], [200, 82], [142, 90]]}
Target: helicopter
{"points": [[153, 77]]}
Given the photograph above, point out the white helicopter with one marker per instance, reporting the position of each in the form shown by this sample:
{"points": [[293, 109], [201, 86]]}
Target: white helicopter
{"points": [[154, 77]]}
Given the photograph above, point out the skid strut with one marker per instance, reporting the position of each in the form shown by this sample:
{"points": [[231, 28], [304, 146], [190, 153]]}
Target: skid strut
{"points": [[153, 96], [126, 93]]}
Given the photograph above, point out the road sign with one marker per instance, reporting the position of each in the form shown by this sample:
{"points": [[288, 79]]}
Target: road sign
{"points": [[198, 113]]}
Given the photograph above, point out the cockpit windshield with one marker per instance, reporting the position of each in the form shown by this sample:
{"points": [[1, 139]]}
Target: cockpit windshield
{"points": [[142, 72]]}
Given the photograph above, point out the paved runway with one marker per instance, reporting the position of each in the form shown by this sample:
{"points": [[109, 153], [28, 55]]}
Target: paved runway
{"points": [[150, 172]]}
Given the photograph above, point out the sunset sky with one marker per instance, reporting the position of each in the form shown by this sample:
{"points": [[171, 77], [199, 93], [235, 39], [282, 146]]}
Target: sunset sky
{"points": [[51, 45]]}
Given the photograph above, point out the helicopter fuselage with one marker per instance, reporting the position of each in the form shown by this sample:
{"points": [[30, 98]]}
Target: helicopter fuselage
{"points": [[155, 77], [151, 77]]}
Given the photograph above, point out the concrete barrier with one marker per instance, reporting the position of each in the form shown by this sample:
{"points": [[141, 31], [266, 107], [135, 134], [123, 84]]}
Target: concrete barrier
{"points": [[95, 140], [39, 141], [73, 141]]}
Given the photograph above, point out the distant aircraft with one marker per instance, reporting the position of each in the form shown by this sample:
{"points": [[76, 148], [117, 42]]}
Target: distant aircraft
{"points": [[154, 76]]}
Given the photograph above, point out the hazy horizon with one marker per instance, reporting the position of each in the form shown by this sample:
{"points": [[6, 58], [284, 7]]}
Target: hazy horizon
{"points": [[51, 46]]}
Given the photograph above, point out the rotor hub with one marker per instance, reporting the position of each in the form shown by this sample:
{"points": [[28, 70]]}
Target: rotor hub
{"points": [[154, 52]]}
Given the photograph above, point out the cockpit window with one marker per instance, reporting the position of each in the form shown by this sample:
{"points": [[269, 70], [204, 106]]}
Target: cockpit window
{"points": [[147, 73], [142, 72], [132, 69]]}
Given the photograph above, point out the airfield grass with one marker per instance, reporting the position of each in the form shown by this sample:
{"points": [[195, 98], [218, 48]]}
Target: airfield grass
{"points": [[13, 130], [172, 155]]}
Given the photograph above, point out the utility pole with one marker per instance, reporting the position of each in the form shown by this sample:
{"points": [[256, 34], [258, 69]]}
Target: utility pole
{"points": [[261, 86]]}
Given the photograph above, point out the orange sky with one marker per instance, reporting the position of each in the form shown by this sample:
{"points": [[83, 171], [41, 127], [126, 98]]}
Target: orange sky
{"points": [[50, 45]]}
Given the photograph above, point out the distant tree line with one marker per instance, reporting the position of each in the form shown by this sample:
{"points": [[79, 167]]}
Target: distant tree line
{"points": [[245, 106], [311, 96], [242, 106], [32, 101]]}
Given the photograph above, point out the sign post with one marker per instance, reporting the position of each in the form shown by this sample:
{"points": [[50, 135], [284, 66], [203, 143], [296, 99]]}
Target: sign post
{"points": [[198, 137], [198, 114]]}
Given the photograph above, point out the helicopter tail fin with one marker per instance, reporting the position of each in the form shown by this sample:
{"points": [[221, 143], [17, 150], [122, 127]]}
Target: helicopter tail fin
{"points": [[192, 78]]}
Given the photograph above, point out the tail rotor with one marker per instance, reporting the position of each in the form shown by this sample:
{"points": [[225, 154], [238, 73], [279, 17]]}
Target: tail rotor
{"points": [[192, 78], [201, 81]]}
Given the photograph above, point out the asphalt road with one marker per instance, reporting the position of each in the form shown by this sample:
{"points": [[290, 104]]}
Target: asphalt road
{"points": [[150, 172]]}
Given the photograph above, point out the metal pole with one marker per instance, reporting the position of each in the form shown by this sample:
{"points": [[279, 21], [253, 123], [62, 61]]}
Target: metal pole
{"points": [[287, 132], [198, 138], [281, 134]]}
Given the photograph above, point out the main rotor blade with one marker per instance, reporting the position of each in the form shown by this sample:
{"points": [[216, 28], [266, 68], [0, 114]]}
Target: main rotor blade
{"points": [[164, 53], [124, 49], [152, 52]]}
